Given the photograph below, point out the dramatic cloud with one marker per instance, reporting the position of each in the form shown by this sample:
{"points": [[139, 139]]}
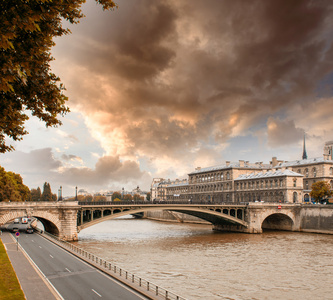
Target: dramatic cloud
{"points": [[41, 166], [168, 85], [161, 77], [282, 133]]}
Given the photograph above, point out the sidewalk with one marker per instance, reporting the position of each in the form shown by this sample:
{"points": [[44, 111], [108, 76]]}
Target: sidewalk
{"points": [[33, 284]]}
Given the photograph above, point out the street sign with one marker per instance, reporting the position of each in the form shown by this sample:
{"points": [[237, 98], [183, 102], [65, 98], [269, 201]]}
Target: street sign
{"points": [[279, 207], [17, 234]]}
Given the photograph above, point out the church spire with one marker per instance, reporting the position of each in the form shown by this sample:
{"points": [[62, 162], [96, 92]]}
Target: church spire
{"points": [[305, 156]]}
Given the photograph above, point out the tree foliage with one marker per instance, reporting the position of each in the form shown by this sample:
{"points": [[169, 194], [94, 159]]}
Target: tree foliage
{"points": [[12, 188], [128, 197], [27, 30], [116, 195], [320, 190], [137, 197], [47, 194], [148, 196], [36, 194]]}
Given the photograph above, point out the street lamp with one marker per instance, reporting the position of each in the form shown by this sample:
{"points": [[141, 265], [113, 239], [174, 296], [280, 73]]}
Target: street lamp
{"points": [[76, 193]]}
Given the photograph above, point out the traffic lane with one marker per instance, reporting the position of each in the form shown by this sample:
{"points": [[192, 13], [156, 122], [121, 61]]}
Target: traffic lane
{"points": [[52, 259], [73, 278], [96, 286]]}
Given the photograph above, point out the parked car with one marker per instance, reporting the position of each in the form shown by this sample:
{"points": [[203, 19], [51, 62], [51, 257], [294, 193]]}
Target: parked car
{"points": [[29, 230], [15, 229]]}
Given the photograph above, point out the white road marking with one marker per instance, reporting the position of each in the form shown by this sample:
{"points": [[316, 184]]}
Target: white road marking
{"points": [[96, 293], [69, 270], [51, 256], [40, 247]]}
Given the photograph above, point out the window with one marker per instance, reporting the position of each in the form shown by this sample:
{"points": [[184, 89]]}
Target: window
{"points": [[294, 182], [314, 172], [306, 172], [331, 171], [306, 185], [228, 176]]}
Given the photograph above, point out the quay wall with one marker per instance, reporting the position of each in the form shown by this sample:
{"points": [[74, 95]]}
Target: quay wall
{"points": [[317, 218]]}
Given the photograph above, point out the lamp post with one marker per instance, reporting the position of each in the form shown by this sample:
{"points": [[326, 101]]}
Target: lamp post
{"points": [[76, 193], [60, 191]]}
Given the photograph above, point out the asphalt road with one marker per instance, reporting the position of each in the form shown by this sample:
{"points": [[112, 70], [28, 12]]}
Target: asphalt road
{"points": [[71, 277]]}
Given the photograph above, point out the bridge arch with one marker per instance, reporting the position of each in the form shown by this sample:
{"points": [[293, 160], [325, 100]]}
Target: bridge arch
{"points": [[278, 221], [213, 215], [50, 221]]}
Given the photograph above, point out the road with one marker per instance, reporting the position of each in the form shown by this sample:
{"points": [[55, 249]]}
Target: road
{"points": [[71, 277]]}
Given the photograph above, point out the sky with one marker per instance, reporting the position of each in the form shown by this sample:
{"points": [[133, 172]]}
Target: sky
{"points": [[158, 88]]}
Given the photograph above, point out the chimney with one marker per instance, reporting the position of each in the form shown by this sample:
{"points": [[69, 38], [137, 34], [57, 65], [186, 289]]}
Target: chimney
{"points": [[241, 163], [274, 161], [198, 168], [227, 163]]}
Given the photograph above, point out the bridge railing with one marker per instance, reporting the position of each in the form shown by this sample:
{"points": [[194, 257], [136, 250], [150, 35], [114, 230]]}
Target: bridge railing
{"points": [[138, 283], [159, 202]]}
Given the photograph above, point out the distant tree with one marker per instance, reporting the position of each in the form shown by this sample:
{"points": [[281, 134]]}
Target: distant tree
{"points": [[47, 194], [28, 29], [99, 198], [36, 194], [148, 196], [136, 197], [12, 187], [116, 195], [320, 190], [88, 198], [128, 197]]}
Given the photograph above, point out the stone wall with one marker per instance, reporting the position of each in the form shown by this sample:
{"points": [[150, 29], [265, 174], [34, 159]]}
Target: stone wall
{"points": [[317, 218]]}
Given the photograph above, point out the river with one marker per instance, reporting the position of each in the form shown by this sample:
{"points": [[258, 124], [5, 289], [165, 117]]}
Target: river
{"points": [[195, 262]]}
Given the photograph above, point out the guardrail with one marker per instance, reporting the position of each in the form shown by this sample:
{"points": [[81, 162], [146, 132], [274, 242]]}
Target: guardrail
{"points": [[139, 284]]}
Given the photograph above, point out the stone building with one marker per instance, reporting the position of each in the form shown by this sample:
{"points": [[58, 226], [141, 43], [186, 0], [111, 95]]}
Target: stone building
{"points": [[278, 181], [216, 184], [283, 186], [178, 190]]}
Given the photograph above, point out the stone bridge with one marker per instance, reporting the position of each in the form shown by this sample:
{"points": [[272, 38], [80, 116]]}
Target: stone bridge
{"points": [[66, 219]]}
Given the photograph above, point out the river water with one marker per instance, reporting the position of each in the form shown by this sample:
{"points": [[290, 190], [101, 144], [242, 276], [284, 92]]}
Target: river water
{"points": [[195, 262]]}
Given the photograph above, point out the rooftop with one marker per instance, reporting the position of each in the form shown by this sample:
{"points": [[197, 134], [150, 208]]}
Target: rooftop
{"points": [[230, 165], [277, 173], [300, 162]]}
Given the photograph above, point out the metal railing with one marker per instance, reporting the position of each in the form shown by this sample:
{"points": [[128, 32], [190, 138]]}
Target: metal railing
{"points": [[139, 284]]}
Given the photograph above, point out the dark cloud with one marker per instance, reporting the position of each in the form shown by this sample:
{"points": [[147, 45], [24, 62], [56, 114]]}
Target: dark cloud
{"points": [[283, 132], [161, 78]]}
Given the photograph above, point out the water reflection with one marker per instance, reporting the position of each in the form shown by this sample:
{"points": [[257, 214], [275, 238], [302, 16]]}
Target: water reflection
{"points": [[198, 263]]}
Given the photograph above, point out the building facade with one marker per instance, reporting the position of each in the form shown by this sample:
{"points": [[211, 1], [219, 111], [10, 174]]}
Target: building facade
{"points": [[278, 181]]}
